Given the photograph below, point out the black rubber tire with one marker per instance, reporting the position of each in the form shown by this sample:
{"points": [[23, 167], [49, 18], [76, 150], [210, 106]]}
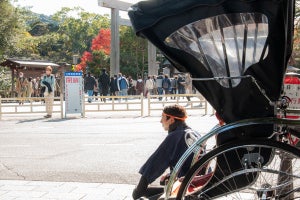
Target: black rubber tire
{"points": [[227, 147]]}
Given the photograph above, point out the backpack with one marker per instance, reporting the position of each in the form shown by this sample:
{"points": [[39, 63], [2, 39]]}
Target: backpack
{"points": [[165, 84], [123, 83], [139, 85], [43, 88]]}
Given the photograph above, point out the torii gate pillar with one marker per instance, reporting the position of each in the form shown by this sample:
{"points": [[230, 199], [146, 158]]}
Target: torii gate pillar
{"points": [[116, 6], [114, 43]]}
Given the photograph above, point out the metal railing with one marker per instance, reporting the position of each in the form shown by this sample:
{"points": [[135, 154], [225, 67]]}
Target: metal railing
{"points": [[189, 101], [28, 105], [130, 103], [114, 104]]}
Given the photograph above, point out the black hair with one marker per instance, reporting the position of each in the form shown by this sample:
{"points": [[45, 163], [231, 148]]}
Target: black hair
{"points": [[176, 111]]}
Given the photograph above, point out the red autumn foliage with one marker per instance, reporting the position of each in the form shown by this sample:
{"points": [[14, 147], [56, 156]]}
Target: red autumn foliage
{"points": [[86, 57], [102, 41]]}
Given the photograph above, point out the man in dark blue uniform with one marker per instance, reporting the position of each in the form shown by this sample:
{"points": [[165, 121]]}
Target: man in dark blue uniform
{"points": [[167, 154]]}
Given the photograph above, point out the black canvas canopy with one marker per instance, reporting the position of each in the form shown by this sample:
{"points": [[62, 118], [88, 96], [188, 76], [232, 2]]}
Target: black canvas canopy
{"points": [[236, 50]]}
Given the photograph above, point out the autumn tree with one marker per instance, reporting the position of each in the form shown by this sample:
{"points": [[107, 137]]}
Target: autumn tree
{"points": [[85, 59], [78, 28], [57, 38], [98, 58]]}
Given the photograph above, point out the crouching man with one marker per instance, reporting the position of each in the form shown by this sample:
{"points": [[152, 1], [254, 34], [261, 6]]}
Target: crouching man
{"points": [[167, 154]]}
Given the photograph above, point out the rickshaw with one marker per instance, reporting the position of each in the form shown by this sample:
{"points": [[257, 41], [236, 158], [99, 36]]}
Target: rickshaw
{"points": [[237, 52]]}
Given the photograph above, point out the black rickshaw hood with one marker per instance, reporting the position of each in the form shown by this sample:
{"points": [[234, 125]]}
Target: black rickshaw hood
{"points": [[158, 20]]}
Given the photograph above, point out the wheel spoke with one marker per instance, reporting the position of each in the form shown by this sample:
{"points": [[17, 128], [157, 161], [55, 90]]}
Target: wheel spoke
{"points": [[245, 170]]}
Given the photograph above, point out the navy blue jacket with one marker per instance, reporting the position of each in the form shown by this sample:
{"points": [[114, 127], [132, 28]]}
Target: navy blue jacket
{"points": [[89, 83], [167, 155]]}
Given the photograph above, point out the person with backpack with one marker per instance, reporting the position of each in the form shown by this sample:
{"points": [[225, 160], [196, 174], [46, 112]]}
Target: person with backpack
{"points": [[174, 86], [166, 84], [180, 81], [104, 82], [139, 86], [48, 85], [159, 86], [89, 84], [122, 85]]}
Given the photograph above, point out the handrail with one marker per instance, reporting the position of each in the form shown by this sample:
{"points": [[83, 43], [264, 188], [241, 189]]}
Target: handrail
{"points": [[140, 102], [115, 101], [200, 100], [29, 104]]}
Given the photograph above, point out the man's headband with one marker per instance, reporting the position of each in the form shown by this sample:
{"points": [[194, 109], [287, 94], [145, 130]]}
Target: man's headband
{"points": [[179, 118]]}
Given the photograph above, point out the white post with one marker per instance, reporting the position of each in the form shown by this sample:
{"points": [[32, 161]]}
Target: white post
{"points": [[115, 43]]}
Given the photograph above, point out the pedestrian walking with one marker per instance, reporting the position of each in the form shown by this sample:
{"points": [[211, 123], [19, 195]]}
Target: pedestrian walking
{"points": [[174, 86], [89, 84], [160, 89], [29, 88], [96, 89], [188, 86], [149, 87], [21, 87], [166, 84], [181, 89], [104, 82], [122, 85], [139, 86]]}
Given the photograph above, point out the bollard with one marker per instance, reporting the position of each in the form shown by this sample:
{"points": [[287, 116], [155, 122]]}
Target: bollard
{"points": [[61, 105], [142, 104]]}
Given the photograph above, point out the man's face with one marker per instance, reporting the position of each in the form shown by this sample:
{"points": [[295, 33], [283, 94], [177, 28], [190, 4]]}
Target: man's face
{"points": [[166, 121]]}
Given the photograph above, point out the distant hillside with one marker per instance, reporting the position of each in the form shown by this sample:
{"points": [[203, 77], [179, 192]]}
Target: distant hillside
{"points": [[46, 18], [41, 24]]}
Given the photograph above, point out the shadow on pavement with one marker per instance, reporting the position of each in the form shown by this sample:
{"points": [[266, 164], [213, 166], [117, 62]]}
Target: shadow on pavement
{"points": [[42, 119]]}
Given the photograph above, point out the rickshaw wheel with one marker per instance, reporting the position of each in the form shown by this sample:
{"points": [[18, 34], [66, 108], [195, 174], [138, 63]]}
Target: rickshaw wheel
{"points": [[247, 169]]}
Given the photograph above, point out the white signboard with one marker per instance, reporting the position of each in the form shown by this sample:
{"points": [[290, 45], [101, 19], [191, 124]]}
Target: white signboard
{"points": [[73, 92]]}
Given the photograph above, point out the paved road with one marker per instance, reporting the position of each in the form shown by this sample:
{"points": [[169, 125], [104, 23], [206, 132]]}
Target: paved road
{"points": [[96, 149]]}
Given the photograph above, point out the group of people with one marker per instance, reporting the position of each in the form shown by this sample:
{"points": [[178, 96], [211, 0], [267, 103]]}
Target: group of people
{"points": [[43, 86], [120, 85], [28, 87], [162, 84]]}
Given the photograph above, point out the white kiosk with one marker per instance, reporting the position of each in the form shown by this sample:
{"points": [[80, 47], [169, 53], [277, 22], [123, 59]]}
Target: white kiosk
{"points": [[73, 93]]}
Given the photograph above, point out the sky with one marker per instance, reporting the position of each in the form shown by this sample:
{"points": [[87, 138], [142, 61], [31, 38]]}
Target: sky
{"points": [[49, 7]]}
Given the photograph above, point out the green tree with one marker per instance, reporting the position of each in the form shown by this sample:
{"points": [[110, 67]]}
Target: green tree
{"points": [[25, 43], [10, 26], [77, 28], [5, 82], [133, 53], [58, 37]]}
